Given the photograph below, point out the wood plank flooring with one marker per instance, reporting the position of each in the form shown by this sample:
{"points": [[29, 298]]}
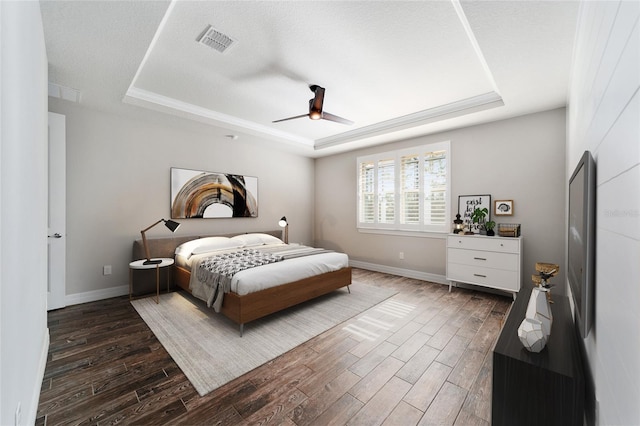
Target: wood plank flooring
{"points": [[422, 357]]}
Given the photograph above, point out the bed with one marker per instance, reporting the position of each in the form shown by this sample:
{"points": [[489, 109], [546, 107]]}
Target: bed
{"points": [[300, 274]]}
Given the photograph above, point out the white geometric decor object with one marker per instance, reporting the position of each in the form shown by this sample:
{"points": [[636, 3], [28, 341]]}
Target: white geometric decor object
{"points": [[531, 335], [539, 309], [535, 329]]}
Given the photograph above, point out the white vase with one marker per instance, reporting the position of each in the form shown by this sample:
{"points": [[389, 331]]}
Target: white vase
{"points": [[535, 329]]}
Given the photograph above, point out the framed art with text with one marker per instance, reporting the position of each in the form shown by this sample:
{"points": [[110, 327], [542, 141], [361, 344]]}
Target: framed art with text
{"points": [[468, 203], [201, 194]]}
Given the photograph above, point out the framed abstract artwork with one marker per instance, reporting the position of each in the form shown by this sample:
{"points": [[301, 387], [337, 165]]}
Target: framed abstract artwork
{"points": [[201, 194]]}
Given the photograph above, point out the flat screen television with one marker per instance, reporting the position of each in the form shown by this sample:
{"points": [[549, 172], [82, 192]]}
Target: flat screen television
{"points": [[581, 242]]}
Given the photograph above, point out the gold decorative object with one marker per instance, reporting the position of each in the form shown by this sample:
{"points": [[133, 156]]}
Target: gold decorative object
{"points": [[547, 268], [545, 272]]}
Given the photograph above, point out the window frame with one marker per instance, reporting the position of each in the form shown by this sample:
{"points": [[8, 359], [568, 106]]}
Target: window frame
{"points": [[419, 229]]}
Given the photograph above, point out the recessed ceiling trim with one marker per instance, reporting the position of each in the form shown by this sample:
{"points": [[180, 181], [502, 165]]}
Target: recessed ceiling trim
{"points": [[152, 45], [144, 98], [454, 109], [474, 43]]}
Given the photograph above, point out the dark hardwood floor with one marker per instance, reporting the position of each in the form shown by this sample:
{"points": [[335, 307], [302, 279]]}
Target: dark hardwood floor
{"points": [[421, 357]]}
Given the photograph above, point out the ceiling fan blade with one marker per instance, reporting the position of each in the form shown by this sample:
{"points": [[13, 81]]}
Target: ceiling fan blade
{"points": [[331, 117], [290, 118]]}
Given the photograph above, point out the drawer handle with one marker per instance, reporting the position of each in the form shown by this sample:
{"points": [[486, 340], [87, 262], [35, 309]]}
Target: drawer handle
{"points": [[480, 258], [480, 275]]}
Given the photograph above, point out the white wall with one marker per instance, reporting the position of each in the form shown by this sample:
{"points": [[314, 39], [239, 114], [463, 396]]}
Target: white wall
{"points": [[24, 338], [118, 175], [604, 117], [520, 159]]}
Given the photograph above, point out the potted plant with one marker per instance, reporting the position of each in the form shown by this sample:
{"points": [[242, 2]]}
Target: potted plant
{"points": [[478, 217], [489, 227]]}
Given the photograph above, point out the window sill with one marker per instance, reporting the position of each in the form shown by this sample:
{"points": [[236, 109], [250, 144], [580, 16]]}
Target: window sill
{"points": [[401, 233]]}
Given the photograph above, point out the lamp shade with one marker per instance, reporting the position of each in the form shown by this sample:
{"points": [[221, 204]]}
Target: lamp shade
{"points": [[172, 225]]}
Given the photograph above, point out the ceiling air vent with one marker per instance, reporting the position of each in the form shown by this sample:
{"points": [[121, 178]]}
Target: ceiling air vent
{"points": [[215, 39]]}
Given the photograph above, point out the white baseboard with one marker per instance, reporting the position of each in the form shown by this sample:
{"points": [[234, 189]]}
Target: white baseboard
{"points": [[409, 273], [92, 296]]}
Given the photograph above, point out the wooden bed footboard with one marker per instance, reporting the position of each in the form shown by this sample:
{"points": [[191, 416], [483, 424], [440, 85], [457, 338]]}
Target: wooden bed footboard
{"points": [[249, 307]]}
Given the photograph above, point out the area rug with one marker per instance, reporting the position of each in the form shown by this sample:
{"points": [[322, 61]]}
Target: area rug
{"points": [[208, 347]]}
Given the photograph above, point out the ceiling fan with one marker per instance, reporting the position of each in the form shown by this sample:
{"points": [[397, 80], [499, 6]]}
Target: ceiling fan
{"points": [[315, 109]]}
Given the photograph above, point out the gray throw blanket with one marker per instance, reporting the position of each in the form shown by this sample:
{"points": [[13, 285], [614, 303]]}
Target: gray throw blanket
{"points": [[217, 271]]}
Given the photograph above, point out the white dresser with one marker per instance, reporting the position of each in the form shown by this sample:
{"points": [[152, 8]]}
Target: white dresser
{"points": [[494, 262]]}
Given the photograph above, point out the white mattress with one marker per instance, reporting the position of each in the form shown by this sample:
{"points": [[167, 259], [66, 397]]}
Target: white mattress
{"points": [[273, 274]]}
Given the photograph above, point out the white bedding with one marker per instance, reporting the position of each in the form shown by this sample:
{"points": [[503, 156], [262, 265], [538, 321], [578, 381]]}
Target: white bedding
{"points": [[266, 276]]}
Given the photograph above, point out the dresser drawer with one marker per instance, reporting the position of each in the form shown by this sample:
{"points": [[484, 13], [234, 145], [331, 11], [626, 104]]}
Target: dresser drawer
{"points": [[470, 242], [487, 259], [488, 277]]}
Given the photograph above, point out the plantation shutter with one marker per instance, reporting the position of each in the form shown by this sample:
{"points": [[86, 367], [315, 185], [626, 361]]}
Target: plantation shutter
{"points": [[367, 192], [386, 191], [410, 189], [435, 188], [405, 190]]}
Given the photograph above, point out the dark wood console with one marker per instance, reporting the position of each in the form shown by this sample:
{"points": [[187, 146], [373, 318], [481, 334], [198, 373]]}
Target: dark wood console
{"points": [[545, 388]]}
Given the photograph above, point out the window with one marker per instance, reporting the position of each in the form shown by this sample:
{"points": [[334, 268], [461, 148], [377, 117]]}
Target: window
{"points": [[405, 190]]}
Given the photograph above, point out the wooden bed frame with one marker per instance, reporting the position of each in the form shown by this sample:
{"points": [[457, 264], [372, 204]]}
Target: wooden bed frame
{"points": [[249, 307]]}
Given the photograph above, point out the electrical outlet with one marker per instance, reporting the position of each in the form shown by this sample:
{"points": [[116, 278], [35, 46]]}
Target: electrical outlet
{"points": [[401, 255], [106, 270], [18, 419]]}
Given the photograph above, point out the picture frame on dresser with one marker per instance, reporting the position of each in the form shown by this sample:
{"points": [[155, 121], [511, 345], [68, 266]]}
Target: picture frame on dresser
{"points": [[503, 208], [468, 203]]}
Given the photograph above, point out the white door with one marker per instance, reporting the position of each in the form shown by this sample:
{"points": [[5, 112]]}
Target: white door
{"points": [[57, 212]]}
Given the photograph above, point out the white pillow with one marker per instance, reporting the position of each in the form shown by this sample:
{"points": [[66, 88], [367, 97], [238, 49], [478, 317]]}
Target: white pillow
{"points": [[204, 245], [257, 239]]}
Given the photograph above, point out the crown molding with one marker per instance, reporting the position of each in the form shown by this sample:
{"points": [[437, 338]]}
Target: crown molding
{"points": [[443, 112], [147, 99]]}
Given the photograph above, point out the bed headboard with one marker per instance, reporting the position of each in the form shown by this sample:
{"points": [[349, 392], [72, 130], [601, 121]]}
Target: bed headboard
{"points": [[166, 246]]}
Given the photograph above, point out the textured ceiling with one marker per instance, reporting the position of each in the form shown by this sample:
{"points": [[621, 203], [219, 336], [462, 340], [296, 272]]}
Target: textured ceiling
{"points": [[397, 69]]}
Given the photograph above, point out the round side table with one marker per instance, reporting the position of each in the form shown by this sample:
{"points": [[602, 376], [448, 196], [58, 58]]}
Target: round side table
{"points": [[139, 264]]}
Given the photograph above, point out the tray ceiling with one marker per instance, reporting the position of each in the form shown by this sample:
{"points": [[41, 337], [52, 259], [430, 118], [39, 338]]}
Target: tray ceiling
{"points": [[396, 69]]}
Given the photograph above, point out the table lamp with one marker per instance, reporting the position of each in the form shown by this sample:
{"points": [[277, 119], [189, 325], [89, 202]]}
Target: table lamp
{"points": [[172, 225], [283, 223]]}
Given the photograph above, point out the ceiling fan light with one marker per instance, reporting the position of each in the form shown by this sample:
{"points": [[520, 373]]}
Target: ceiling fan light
{"points": [[315, 115]]}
